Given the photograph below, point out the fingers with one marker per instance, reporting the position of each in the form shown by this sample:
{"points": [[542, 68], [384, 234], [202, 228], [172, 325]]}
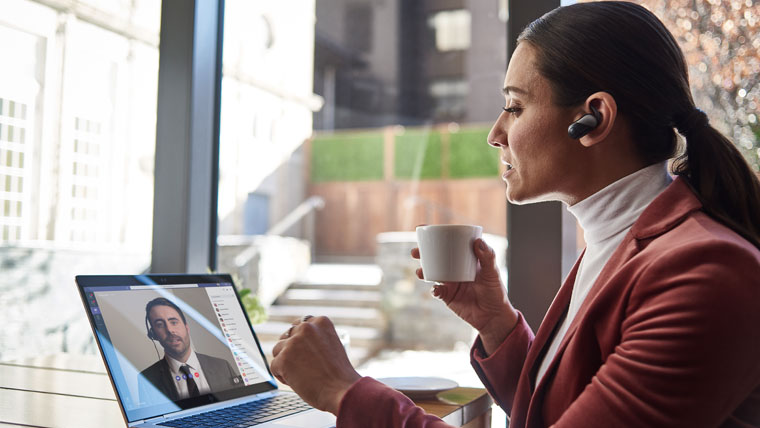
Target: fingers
{"points": [[438, 291], [446, 291], [287, 333], [486, 256], [278, 348], [419, 273], [276, 368], [297, 323], [415, 253]]}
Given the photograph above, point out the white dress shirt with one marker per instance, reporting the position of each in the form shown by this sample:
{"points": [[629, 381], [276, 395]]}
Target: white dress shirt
{"points": [[606, 217], [195, 367]]}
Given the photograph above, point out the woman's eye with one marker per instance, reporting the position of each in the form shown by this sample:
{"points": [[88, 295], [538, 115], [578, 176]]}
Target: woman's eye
{"points": [[512, 110]]}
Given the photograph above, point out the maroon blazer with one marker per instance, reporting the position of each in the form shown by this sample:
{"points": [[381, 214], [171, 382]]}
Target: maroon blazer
{"points": [[668, 336]]}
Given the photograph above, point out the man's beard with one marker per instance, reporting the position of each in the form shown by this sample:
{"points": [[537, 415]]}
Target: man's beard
{"points": [[175, 346]]}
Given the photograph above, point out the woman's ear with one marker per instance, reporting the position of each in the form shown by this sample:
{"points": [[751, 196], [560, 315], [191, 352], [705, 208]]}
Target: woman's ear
{"points": [[605, 104]]}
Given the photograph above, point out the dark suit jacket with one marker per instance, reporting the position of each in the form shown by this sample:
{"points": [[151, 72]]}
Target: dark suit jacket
{"points": [[668, 336], [218, 372]]}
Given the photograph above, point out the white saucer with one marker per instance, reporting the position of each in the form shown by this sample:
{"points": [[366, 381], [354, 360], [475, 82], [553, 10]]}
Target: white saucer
{"points": [[419, 387]]}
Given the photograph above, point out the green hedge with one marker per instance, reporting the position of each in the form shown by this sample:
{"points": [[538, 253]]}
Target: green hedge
{"points": [[358, 156], [471, 156], [417, 155], [347, 157]]}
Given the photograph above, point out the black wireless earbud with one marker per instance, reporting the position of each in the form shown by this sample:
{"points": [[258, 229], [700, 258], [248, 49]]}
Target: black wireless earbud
{"points": [[585, 124]]}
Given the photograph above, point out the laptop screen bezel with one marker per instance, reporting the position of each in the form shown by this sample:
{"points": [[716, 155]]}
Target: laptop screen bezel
{"points": [[97, 281]]}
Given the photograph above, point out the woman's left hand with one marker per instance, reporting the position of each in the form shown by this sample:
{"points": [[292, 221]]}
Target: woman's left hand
{"points": [[311, 359]]}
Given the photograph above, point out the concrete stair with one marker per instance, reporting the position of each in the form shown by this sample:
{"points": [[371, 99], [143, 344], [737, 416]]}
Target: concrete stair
{"points": [[349, 294]]}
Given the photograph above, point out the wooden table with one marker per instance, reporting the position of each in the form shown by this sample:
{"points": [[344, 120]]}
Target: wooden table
{"points": [[67, 390]]}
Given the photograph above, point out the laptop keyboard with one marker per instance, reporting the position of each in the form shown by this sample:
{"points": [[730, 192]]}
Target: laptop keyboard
{"points": [[244, 415]]}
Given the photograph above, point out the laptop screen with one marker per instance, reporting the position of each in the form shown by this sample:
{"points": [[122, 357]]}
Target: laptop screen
{"points": [[173, 342]]}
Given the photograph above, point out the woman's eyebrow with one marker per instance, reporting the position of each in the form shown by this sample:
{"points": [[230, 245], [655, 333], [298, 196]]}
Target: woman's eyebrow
{"points": [[514, 89]]}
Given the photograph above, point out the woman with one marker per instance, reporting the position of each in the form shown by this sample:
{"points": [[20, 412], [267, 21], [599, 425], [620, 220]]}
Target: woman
{"points": [[658, 323]]}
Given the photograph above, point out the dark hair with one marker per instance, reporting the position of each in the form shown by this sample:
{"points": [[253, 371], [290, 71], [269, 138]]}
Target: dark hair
{"points": [[623, 49], [161, 301]]}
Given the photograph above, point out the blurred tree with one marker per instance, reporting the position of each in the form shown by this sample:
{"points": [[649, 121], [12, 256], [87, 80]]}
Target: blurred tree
{"points": [[721, 42], [257, 314]]}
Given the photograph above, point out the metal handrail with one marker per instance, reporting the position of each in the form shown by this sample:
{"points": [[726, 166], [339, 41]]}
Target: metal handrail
{"points": [[307, 206], [302, 210]]}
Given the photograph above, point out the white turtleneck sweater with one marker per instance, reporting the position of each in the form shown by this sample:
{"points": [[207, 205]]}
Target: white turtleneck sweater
{"points": [[606, 217]]}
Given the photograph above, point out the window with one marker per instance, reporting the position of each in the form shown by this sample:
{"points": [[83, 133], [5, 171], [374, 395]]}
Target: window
{"points": [[452, 29], [401, 117], [77, 138]]}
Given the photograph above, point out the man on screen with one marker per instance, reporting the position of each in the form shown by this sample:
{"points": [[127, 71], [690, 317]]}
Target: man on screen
{"points": [[182, 372]]}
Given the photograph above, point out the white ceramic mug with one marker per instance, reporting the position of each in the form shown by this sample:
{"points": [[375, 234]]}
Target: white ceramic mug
{"points": [[446, 252]]}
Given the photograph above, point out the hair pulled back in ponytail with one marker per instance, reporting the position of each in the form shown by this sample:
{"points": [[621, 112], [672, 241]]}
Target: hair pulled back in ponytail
{"points": [[623, 49]]}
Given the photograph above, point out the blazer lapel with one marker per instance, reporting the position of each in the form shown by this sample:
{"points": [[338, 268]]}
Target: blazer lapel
{"points": [[552, 320], [524, 396], [623, 253], [168, 381]]}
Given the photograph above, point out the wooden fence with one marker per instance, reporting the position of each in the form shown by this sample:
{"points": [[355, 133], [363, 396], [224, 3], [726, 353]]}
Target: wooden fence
{"points": [[356, 211]]}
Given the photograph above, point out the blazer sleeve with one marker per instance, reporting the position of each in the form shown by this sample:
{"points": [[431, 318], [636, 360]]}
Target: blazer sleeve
{"points": [[369, 403], [500, 371], [690, 346]]}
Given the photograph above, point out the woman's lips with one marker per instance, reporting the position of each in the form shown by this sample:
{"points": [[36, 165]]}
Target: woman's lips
{"points": [[509, 170]]}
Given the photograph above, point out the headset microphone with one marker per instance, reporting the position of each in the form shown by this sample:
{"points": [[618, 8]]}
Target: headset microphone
{"points": [[585, 124]]}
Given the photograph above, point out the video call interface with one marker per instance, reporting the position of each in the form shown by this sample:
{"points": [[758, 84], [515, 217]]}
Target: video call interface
{"points": [[167, 345]]}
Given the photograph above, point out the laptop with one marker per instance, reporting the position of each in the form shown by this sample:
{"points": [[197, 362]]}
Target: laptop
{"points": [[180, 352]]}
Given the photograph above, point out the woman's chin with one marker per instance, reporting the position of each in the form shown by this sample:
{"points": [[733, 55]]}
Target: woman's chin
{"points": [[514, 196], [520, 198]]}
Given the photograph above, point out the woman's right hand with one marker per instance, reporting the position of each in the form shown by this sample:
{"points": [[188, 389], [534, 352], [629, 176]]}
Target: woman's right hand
{"points": [[483, 303]]}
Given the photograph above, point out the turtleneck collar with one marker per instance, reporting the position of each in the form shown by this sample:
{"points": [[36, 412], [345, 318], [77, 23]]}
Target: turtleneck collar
{"points": [[617, 206]]}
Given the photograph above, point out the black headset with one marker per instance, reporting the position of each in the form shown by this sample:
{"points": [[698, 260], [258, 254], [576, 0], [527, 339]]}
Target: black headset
{"points": [[149, 329], [585, 124], [152, 338]]}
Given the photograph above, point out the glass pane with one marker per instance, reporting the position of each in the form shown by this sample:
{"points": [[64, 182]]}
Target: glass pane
{"points": [[107, 78], [339, 136]]}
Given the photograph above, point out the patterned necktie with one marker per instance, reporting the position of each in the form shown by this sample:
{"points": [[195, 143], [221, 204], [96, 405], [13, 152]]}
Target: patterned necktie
{"points": [[192, 387]]}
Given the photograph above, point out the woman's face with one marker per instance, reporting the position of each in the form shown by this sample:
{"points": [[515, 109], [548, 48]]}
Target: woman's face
{"points": [[542, 161]]}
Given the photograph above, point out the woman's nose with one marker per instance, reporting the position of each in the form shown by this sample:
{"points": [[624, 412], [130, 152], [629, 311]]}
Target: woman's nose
{"points": [[498, 135]]}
